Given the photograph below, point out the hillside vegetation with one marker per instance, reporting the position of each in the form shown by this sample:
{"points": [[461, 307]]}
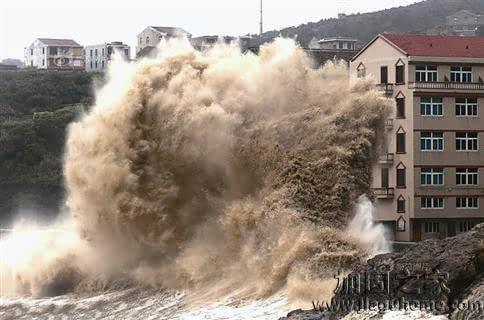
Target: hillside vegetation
{"points": [[414, 18], [29, 91], [41, 104]]}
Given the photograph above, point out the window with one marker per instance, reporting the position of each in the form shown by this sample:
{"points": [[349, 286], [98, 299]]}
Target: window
{"points": [[95, 64], [384, 178], [432, 227], [126, 52], [399, 74], [400, 107], [467, 176], [102, 64], [401, 142], [431, 203], [431, 107], [31, 52], [384, 74], [465, 226], [90, 53], [467, 202], [91, 64], [401, 204], [95, 52], [361, 71], [43, 62], [401, 178], [461, 74], [147, 40], [466, 141], [466, 107], [401, 224], [431, 176], [43, 50], [102, 52], [431, 141], [426, 73]]}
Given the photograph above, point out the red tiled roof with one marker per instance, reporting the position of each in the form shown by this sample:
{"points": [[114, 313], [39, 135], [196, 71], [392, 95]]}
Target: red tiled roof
{"points": [[59, 42], [438, 46]]}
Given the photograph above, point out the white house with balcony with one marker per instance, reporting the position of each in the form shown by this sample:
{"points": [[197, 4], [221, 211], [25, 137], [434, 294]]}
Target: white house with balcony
{"points": [[54, 54]]}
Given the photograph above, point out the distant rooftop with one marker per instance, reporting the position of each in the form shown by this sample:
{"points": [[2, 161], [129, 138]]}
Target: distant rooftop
{"points": [[59, 42], [171, 31], [437, 45], [337, 39]]}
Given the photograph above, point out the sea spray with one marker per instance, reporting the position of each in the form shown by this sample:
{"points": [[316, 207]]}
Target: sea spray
{"points": [[218, 170], [363, 225]]}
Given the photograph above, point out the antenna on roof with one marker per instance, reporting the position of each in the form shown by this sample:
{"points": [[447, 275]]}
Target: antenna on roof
{"points": [[261, 21]]}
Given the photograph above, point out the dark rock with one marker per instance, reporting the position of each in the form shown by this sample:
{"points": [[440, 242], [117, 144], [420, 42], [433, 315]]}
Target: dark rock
{"points": [[437, 274]]}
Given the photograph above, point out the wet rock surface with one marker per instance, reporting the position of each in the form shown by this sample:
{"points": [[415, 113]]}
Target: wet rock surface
{"points": [[444, 277]]}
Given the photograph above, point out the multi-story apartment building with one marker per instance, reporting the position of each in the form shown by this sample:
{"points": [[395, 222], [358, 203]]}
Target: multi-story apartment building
{"points": [[55, 54], [151, 36], [429, 181], [98, 56]]}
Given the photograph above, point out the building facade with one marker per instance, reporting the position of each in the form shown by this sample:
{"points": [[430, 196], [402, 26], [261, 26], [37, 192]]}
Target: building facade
{"points": [[151, 36], [463, 23], [55, 54], [336, 43], [98, 56], [428, 182], [203, 43]]}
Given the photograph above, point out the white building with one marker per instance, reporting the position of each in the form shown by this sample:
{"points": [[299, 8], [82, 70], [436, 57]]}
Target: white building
{"points": [[54, 54], [203, 43], [151, 36], [98, 56], [336, 43]]}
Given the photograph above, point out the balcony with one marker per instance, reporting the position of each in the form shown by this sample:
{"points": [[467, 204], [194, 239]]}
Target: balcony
{"points": [[386, 88], [447, 85], [384, 193], [386, 158], [389, 124]]}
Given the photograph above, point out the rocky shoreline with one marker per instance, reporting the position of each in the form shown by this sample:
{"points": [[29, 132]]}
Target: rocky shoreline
{"points": [[444, 277]]}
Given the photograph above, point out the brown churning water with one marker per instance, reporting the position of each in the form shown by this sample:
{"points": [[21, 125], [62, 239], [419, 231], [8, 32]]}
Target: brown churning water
{"points": [[216, 170]]}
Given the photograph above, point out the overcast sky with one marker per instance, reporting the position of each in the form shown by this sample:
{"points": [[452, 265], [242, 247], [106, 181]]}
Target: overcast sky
{"points": [[97, 21]]}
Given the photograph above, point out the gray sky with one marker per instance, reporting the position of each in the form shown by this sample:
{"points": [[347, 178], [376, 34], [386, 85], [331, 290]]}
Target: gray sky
{"points": [[93, 22]]}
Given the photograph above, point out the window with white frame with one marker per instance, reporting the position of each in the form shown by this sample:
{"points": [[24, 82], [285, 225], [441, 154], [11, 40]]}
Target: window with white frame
{"points": [[426, 73], [466, 107], [467, 176], [432, 227], [466, 141], [430, 141], [465, 226], [432, 176], [461, 74], [431, 107], [467, 202], [431, 203]]}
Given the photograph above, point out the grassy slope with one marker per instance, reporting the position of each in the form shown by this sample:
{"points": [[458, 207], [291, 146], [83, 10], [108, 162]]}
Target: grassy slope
{"points": [[32, 140]]}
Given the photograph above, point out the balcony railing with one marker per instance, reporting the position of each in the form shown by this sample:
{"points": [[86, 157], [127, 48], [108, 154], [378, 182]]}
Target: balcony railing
{"points": [[386, 88], [384, 193], [386, 158], [447, 85]]}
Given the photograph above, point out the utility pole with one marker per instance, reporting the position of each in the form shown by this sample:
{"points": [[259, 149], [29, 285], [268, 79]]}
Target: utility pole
{"points": [[261, 21]]}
